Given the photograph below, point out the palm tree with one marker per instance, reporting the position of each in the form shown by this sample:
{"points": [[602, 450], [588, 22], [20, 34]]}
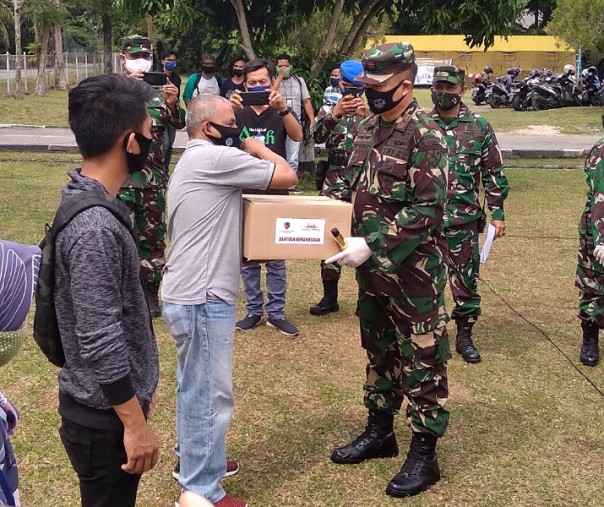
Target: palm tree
{"points": [[6, 20]]}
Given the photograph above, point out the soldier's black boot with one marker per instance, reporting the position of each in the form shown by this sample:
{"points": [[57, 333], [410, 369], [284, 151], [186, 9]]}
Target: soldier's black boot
{"points": [[590, 351], [377, 441], [463, 341], [152, 297], [329, 303], [420, 469]]}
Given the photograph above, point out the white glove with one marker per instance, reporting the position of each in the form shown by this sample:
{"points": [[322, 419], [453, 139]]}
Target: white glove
{"points": [[599, 253], [353, 255]]}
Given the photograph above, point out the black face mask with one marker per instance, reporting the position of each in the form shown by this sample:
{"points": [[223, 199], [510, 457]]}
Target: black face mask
{"points": [[238, 72], [136, 162], [382, 102], [208, 69], [229, 135]]}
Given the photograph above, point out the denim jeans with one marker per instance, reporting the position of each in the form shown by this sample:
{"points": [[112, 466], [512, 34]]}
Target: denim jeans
{"points": [[292, 152], [169, 139], [276, 287], [203, 335]]}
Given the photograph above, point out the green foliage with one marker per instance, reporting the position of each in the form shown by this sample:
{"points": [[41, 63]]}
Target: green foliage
{"points": [[580, 23], [6, 22]]}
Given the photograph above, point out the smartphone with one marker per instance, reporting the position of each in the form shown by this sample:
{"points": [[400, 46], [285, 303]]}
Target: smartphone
{"points": [[351, 91], [155, 78], [255, 98]]}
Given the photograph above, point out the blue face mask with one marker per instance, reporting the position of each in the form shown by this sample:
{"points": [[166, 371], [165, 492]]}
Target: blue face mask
{"points": [[259, 88], [170, 66]]}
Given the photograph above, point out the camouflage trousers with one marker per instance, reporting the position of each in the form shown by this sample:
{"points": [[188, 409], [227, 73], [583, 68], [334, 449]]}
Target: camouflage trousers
{"points": [[335, 184], [330, 271], [148, 206], [463, 261], [403, 364], [590, 281]]}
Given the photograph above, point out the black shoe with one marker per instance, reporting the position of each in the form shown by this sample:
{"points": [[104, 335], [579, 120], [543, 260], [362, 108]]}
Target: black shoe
{"points": [[329, 303], [284, 326], [420, 469], [377, 441], [152, 297], [248, 322], [590, 351], [463, 342]]}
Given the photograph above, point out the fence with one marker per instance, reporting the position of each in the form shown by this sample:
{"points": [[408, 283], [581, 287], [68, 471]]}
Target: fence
{"points": [[78, 66]]}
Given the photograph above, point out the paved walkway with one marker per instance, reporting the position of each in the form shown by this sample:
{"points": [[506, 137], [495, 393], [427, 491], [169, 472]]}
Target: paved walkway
{"points": [[31, 138]]}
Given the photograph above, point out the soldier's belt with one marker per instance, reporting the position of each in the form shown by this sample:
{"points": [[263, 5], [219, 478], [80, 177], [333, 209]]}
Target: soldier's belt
{"points": [[338, 158]]}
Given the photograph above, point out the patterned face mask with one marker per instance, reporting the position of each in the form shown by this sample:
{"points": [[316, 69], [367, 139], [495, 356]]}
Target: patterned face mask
{"points": [[445, 101]]}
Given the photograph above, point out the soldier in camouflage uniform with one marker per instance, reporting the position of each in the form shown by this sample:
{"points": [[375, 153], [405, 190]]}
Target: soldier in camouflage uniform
{"points": [[590, 265], [473, 154], [146, 192], [337, 128], [399, 182]]}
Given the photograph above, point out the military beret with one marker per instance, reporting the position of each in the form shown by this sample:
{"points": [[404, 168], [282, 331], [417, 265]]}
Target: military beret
{"points": [[350, 69], [449, 73], [137, 44], [382, 62]]}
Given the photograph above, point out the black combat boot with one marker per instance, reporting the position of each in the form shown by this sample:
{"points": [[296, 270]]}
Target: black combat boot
{"points": [[152, 297], [377, 441], [329, 303], [463, 341], [420, 469], [590, 351]]}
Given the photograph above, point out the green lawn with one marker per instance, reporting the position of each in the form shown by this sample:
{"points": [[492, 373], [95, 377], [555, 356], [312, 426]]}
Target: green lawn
{"points": [[526, 429], [52, 110]]}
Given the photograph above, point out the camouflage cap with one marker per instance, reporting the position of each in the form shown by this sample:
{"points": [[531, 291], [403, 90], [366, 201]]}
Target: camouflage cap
{"points": [[137, 44], [449, 73], [382, 62]]}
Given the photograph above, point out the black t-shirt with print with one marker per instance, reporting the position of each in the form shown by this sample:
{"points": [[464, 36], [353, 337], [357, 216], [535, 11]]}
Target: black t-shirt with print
{"points": [[228, 87], [267, 127]]}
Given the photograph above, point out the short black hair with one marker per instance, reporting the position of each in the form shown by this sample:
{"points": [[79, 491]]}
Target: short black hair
{"points": [[165, 54], [257, 64], [334, 67], [239, 58], [208, 56], [284, 56], [103, 108]]}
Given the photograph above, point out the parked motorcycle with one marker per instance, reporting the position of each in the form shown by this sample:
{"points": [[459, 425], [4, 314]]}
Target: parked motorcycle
{"points": [[479, 88]]}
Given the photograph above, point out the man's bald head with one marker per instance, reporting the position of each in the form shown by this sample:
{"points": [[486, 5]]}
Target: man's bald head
{"points": [[208, 107]]}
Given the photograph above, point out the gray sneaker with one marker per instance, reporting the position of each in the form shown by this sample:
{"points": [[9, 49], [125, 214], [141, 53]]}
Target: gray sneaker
{"points": [[295, 190], [283, 326], [248, 322]]}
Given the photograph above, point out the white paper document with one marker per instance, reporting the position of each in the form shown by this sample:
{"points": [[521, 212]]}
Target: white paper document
{"points": [[488, 243]]}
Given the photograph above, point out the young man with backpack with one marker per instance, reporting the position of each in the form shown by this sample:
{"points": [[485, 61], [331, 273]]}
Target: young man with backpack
{"points": [[111, 367], [206, 81]]}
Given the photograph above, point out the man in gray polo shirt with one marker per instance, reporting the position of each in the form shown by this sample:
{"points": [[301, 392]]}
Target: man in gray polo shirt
{"points": [[201, 281]]}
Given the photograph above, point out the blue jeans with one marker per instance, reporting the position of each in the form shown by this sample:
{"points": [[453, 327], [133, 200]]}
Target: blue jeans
{"points": [[292, 152], [169, 139], [276, 287], [203, 335]]}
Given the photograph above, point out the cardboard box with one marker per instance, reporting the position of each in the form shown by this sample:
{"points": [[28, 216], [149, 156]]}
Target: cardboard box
{"points": [[292, 227]]}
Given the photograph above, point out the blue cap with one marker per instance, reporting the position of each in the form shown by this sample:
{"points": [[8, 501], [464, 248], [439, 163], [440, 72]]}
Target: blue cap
{"points": [[351, 69]]}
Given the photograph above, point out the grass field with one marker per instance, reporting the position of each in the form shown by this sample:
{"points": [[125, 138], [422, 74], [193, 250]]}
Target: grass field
{"points": [[52, 110], [526, 429]]}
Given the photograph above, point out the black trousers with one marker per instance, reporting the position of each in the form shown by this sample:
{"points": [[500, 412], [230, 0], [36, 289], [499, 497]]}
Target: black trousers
{"points": [[97, 457]]}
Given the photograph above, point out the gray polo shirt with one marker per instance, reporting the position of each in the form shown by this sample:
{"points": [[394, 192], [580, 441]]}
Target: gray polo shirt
{"points": [[205, 214], [294, 91]]}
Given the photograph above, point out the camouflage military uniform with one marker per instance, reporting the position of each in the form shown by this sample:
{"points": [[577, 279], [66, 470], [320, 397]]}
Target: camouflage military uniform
{"points": [[399, 184], [338, 135], [473, 154], [590, 273], [145, 194]]}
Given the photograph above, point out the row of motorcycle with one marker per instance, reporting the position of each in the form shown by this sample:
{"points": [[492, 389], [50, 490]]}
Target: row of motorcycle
{"points": [[540, 90]]}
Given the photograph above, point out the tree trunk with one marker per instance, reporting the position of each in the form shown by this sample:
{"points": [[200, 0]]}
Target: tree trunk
{"points": [[19, 89], [379, 6], [107, 34], [246, 46], [317, 66], [369, 10], [42, 60], [59, 63], [150, 28]]}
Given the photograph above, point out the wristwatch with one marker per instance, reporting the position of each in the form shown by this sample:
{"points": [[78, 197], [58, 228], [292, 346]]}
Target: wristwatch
{"points": [[286, 112]]}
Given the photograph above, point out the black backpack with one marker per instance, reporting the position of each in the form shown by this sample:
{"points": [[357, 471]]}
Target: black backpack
{"points": [[46, 328]]}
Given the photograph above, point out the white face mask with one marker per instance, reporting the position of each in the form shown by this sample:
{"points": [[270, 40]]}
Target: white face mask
{"points": [[138, 64]]}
